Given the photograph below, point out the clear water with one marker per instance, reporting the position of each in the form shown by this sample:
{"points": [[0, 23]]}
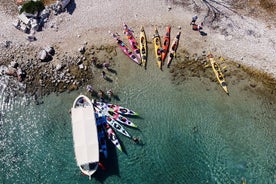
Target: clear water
{"points": [[189, 134]]}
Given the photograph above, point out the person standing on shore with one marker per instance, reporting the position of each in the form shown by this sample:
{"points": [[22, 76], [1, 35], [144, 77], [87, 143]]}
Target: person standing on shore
{"points": [[103, 74], [109, 93], [106, 65], [194, 18]]}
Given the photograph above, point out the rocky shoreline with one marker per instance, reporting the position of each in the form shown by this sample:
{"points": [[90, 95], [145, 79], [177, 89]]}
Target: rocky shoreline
{"points": [[65, 72]]}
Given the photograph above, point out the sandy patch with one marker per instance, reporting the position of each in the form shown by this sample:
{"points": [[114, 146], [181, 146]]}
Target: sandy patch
{"points": [[236, 36]]}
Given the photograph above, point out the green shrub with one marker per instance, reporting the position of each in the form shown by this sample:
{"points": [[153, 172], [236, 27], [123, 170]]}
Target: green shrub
{"points": [[32, 7]]}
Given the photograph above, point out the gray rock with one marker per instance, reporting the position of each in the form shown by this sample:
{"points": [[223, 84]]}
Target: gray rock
{"points": [[59, 67], [42, 55], [50, 50]]}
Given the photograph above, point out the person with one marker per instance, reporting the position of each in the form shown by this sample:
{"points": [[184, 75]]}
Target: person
{"points": [[193, 20], [93, 61], [106, 65], [196, 27], [103, 75], [89, 88], [136, 139], [109, 93]]}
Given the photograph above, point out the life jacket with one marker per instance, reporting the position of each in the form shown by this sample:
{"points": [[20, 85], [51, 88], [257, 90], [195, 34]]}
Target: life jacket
{"points": [[195, 27]]}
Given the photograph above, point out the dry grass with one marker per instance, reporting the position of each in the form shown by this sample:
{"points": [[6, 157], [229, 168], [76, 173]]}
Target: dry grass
{"points": [[48, 2], [268, 5]]}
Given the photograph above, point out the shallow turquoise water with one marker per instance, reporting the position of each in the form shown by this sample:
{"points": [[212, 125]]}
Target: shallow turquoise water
{"points": [[189, 134]]}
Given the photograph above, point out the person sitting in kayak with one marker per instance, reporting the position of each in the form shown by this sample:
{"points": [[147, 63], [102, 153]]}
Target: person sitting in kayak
{"points": [[123, 110], [122, 119]]}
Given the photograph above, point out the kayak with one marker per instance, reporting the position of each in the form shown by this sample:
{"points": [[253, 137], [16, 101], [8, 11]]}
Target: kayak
{"points": [[143, 46], [112, 137], [166, 44], [121, 119], [117, 126], [173, 48], [116, 108], [101, 135], [124, 48], [157, 48], [132, 41], [218, 73]]}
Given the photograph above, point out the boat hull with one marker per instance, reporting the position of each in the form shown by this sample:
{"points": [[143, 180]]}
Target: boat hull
{"points": [[166, 44], [143, 47], [173, 48], [218, 73], [157, 49], [125, 49], [85, 135], [133, 43]]}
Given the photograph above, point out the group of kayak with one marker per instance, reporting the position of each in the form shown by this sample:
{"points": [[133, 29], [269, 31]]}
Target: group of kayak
{"points": [[93, 123], [110, 117], [139, 52]]}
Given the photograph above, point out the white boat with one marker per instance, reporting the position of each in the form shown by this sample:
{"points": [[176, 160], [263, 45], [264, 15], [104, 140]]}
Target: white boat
{"points": [[85, 135]]}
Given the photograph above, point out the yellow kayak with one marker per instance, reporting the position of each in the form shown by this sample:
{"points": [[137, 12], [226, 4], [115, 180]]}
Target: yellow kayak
{"points": [[157, 48], [143, 46], [218, 73]]}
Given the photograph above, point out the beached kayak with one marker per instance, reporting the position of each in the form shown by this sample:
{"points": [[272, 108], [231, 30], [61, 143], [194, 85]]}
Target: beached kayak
{"points": [[112, 137], [116, 108], [114, 124], [173, 48], [218, 73], [132, 41], [157, 48], [143, 47], [121, 119], [166, 44], [124, 48]]}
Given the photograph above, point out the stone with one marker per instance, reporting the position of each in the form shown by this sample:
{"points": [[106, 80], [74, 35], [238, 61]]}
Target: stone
{"points": [[50, 50], [59, 67], [43, 55]]}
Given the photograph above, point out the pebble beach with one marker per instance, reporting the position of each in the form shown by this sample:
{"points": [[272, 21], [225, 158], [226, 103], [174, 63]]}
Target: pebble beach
{"points": [[236, 36]]}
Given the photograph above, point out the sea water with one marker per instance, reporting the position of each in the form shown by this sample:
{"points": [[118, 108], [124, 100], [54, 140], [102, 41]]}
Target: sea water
{"points": [[190, 133]]}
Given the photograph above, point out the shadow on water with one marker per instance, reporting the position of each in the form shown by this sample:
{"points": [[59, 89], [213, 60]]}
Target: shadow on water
{"points": [[116, 97], [71, 7], [112, 71], [110, 164], [108, 79]]}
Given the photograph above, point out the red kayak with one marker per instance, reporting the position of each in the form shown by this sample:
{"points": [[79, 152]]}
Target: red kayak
{"points": [[166, 43], [132, 41], [124, 48]]}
